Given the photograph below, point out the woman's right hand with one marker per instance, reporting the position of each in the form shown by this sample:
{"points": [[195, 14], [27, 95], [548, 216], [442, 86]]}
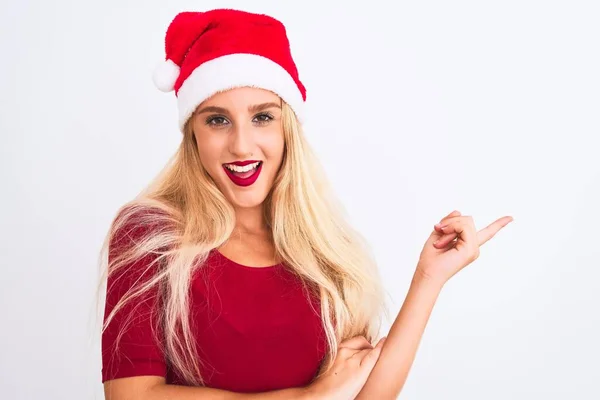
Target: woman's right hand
{"points": [[355, 359]]}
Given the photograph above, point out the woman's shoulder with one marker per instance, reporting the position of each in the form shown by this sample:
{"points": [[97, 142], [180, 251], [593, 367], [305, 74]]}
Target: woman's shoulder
{"points": [[138, 244]]}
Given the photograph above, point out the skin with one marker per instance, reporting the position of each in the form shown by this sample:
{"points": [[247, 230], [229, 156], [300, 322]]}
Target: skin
{"points": [[226, 130], [237, 125], [361, 370]]}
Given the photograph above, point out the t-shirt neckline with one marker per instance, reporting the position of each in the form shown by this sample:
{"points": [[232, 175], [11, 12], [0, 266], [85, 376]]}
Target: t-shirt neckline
{"points": [[247, 267]]}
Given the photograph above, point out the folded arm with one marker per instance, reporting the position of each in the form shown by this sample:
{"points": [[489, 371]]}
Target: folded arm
{"points": [[155, 388]]}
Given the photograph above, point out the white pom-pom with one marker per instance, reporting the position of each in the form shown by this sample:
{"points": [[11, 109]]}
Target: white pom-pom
{"points": [[165, 75]]}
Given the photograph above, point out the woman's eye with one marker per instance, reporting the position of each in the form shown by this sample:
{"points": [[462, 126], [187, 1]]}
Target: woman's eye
{"points": [[263, 118], [219, 121], [215, 121]]}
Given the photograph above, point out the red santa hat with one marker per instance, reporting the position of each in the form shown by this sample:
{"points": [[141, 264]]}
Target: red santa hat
{"points": [[213, 51]]}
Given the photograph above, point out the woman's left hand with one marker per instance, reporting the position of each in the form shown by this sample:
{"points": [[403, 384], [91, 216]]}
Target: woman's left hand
{"points": [[454, 244]]}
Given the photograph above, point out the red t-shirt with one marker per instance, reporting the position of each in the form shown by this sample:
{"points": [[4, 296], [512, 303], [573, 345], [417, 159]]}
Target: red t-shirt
{"points": [[255, 329]]}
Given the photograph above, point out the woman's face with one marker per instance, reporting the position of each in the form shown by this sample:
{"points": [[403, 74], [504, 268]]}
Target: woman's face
{"points": [[240, 142]]}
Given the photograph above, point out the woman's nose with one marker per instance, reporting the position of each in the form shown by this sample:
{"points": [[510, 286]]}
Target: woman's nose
{"points": [[241, 141]]}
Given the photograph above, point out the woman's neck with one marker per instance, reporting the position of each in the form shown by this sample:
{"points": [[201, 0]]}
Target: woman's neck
{"points": [[251, 242], [250, 221]]}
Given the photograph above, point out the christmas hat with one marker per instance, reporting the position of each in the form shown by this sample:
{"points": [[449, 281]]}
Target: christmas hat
{"points": [[209, 52]]}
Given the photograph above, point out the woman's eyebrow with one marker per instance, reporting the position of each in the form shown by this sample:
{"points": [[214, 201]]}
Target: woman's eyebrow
{"points": [[252, 108], [263, 106], [220, 110]]}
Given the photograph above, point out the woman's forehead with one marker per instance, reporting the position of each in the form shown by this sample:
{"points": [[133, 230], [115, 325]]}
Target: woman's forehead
{"points": [[242, 96]]}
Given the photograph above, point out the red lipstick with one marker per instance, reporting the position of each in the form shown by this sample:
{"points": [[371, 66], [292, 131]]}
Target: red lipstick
{"points": [[244, 178], [242, 163]]}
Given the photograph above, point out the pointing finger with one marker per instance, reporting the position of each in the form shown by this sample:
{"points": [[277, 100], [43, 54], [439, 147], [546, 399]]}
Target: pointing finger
{"points": [[490, 231]]}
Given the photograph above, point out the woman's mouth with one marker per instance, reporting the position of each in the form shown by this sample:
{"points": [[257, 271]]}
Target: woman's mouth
{"points": [[243, 175]]}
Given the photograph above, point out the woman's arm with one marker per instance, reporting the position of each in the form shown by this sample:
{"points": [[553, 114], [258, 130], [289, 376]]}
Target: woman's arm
{"points": [[453, 244], [385, 381], [398, 353], [350, 370], [155, 388]]}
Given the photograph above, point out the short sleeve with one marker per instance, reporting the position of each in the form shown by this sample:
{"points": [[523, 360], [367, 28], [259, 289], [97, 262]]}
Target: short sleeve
{"points": [[130, 343]]}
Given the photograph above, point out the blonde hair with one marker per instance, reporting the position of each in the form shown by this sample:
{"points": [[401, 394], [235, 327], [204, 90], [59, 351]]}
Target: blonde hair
{"points": [[186, 216]]}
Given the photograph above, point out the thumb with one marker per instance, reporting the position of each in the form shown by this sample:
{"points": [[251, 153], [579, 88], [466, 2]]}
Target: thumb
{"points": [[371, 359]]}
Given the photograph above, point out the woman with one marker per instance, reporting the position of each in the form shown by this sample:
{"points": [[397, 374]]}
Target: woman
{"points": [[234, 274]]}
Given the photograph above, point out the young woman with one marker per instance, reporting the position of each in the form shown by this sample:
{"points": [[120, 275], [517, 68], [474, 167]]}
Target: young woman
{"points": [[234, 275]]}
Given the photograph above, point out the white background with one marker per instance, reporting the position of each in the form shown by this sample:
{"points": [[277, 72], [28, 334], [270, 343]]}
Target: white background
{"points": [[417, 108]]}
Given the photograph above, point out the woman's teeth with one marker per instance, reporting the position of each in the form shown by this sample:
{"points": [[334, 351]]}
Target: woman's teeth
{"points": [[240, 169]]}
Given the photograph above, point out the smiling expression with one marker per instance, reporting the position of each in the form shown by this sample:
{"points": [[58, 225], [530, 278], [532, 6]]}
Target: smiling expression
{"points": [[241, 143]]}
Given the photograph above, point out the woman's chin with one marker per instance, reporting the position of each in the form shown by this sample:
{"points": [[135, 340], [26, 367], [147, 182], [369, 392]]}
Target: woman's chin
{"points": [[246, 203], [249, 196], [249, 199]]}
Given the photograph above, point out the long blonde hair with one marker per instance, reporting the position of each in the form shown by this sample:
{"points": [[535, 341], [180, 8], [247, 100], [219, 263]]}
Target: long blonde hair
{"points": [[187, 216]]}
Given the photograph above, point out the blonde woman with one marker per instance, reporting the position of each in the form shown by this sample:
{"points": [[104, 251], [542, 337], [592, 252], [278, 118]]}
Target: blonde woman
{"points": [[234, 275]]}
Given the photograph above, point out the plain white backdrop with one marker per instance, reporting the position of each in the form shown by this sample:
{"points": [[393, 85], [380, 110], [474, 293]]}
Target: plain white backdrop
{"points": [[416, 109]]}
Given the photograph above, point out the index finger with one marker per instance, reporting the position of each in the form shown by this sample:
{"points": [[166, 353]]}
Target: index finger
{"points": [[490, 231]]}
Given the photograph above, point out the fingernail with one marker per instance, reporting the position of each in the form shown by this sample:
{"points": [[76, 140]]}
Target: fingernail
{"points": [[436, 242]]}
